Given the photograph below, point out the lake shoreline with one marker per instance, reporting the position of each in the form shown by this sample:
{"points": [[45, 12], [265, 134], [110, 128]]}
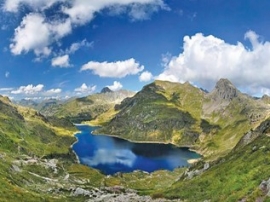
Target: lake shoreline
{"points": [[190, 148], [71, 146]]}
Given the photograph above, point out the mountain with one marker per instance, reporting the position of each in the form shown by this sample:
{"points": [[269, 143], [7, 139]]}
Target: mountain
{"points": [[229, 128], [37, 163], [159, 113], [211, 123], [85, 108], [46, 107], [106, 90]]}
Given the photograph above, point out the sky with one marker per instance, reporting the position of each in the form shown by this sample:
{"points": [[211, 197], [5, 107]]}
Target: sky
{"points": [[65, 48]]}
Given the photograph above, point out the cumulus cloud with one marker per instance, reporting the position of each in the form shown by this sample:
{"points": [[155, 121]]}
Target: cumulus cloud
{"points": [[61, 61], [84, 89], [29, 89], [37, 32], [26, 37], [117, 69], [116, 86], [146, 76], [205, 59]]}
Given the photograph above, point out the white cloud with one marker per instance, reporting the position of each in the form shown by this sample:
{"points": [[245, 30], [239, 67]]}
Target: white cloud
{"points": [[13, 5], [54, 91], [138, 10], [37, 32], [61, 61], [29, 89], [146, 76], [116, 86], [76, 46], [143, 12], [205, 59], [117, 69], [84, 89], [81, 12], [26, 37]]}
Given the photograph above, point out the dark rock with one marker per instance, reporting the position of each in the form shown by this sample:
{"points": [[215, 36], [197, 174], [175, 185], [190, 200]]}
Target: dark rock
{"points": [[106, 90]]}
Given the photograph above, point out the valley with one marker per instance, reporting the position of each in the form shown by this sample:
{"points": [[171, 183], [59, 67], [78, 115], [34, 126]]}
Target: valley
{"points": [[228, 128]]}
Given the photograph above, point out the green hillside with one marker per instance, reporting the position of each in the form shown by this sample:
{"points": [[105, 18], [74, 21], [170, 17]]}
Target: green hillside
{"points": [[82, 109], [229, 128], [242, 175], [211, 123], [37, 164]]}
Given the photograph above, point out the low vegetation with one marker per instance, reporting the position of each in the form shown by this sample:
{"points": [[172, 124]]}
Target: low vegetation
{"points": [[229, 128]]}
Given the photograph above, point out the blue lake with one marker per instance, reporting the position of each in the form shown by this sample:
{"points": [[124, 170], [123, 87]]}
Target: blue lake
{"points": [[111, 155]]}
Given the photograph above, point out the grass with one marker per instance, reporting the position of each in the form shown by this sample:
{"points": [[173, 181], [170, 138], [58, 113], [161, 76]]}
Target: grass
{"points": [[234, 177]]}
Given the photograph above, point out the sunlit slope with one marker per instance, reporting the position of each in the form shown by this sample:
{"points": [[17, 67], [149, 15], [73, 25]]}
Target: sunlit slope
{"points": [[162, 112], [86, 108], [37, 164], [184, 115], [237, 176]]}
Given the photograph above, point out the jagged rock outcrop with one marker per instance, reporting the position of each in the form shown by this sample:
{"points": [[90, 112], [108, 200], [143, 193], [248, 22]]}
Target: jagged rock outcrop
{"points": [[224, 91]]}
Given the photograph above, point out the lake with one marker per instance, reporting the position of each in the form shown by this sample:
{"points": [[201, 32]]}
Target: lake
{"points": [[111, 155]]}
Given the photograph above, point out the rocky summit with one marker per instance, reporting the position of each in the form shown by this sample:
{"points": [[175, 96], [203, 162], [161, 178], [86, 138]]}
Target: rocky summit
{"points": [[224, 91]]}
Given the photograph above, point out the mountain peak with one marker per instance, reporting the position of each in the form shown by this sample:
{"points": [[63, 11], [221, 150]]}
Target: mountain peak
{"points": [[106, 90], [225, 90], [224, 82]]}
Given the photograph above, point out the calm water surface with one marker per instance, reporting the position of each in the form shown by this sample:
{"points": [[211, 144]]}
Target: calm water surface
{"points": [[112, 155]]}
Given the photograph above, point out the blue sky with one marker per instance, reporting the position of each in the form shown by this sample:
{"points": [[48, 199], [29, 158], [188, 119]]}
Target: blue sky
{"points": [[63, 48]]}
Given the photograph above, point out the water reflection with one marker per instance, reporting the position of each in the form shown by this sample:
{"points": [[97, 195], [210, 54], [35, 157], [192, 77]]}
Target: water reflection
{"points": [[111, 155]]}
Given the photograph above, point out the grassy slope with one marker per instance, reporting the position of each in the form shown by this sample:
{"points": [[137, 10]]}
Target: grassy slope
{"points": [[26, 136], [234, 177], [85, 108], [159, 113]]}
